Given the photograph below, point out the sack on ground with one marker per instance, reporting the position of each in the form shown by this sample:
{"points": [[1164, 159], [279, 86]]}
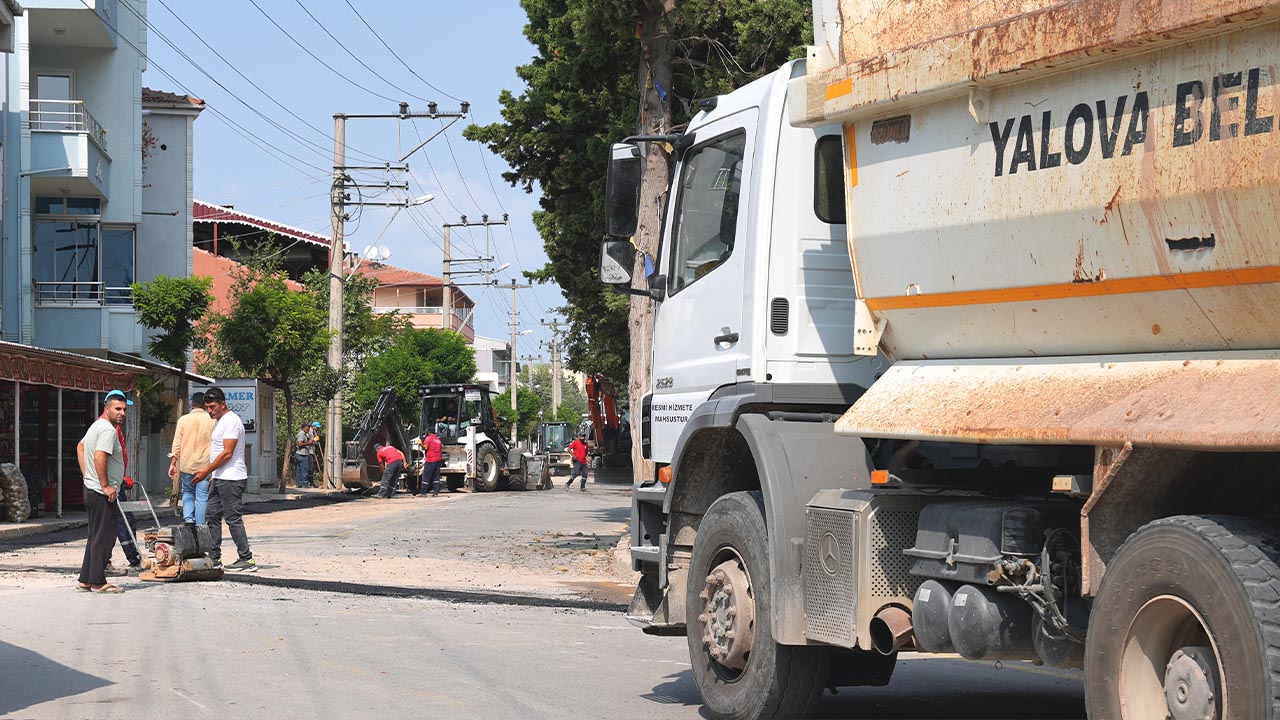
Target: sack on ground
{"points": [[17, 506]]}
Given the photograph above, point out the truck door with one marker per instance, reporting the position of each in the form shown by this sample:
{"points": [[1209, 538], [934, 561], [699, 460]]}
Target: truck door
{"points": [[700, 339]]}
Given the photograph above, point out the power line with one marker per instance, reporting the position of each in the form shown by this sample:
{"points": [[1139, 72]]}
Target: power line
{"points": [[396, 55], [255, 86], [357, 57], [317, 57]]}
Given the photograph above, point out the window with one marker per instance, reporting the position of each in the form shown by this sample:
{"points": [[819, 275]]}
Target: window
{"points": [[65, 260], [707, 209], [828, 180], [117, 265], [78, 260]]}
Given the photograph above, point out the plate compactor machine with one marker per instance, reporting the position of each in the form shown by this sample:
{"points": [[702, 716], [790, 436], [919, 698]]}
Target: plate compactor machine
{"points": [[178, 552]]}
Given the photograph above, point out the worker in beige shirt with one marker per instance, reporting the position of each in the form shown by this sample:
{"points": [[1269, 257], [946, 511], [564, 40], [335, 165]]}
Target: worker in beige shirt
{"points": [[190, 454]]}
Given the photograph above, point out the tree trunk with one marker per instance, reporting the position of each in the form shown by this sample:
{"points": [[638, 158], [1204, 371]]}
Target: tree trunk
{"points": [[655, 119], [288, 436]]}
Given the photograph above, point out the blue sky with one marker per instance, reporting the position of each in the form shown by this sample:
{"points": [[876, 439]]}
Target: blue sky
{"points": [[466, 50]]}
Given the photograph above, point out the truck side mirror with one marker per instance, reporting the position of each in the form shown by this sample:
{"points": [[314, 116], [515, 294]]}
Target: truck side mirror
{"points": [[622, 190], [617, 258]]}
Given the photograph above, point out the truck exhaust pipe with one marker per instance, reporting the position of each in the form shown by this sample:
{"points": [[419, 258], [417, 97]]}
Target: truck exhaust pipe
{"points": [[891, 630]]}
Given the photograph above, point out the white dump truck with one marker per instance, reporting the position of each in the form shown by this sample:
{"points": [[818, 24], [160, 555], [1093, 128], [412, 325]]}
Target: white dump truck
{"points": [[967, 341]]}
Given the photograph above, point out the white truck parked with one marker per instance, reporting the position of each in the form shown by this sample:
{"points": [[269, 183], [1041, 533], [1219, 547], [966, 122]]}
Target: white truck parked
{"points": [[967, 342]]}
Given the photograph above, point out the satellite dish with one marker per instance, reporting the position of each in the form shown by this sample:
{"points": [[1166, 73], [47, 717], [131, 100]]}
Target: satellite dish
{"points": [[370, 252], [384, 252]]}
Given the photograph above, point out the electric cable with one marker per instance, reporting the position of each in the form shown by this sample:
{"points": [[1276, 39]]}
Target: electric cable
{"points": [[397, 55]]}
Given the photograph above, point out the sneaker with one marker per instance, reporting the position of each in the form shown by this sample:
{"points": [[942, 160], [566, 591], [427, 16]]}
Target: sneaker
{"points": [[113, 571], [137, 567], [243, 566]]}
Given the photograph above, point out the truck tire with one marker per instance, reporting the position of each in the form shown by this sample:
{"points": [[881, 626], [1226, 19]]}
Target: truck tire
{"points": [[488, 469], [1187, 623], [739, 669]]}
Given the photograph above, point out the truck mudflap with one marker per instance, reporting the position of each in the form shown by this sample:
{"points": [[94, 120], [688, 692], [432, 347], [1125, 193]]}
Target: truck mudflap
{"points": [[1192, 401]]}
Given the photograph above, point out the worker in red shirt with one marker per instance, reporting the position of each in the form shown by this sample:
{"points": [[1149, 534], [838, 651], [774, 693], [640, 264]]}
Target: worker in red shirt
{"points": [[579, 449], [433, 451], [392, 461]]}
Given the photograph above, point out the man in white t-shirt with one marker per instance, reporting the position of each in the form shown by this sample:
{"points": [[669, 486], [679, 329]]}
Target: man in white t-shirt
{"points": [[230, 475]]}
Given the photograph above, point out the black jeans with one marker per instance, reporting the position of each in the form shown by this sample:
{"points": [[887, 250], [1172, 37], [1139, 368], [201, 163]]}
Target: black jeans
{"points": [[225, 497], [102, 538], [430, 477], [389, 478]]}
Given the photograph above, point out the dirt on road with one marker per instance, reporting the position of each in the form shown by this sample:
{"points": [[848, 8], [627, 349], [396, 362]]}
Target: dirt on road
{"points": [[535, 545]]}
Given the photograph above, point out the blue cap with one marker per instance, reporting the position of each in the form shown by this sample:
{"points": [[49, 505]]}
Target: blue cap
{"points": [[315, 424], [120, 394]]}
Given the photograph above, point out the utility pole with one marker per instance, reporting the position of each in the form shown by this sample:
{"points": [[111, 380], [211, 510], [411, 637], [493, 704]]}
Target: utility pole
{"points": [[449, 260], [333, 431], [337, 253], [515, 324], [557, 327]]}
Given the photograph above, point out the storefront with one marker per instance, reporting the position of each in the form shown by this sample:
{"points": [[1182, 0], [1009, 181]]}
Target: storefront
{"points": [[47, 400]]}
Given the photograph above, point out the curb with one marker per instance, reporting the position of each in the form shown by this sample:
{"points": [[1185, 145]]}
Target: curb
{"points": [[23, 530], [622, 557]]}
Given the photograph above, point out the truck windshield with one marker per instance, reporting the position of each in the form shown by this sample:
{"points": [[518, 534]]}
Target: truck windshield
{"points": [[440, 415], [556, 437]]}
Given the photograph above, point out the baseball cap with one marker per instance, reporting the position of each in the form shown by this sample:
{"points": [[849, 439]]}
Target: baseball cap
{"points": [[315, 424], [120, 394]]}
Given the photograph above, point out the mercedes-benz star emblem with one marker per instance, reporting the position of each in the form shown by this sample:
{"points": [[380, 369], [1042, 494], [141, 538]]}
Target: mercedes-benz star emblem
{"points": [[829, 553]]}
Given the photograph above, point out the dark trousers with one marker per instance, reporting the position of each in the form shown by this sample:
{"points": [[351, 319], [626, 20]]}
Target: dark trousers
{"points": [[225, 497], [304, 470], [578, 467], [126, 540], [430, 478], [97, 549], [389, 478]]}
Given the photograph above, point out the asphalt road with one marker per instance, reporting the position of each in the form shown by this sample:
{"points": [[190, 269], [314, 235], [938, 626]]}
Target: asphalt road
{"points": [[240, 650]]}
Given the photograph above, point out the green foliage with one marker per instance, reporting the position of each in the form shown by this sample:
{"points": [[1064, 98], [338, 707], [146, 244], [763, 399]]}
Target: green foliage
{"points": [[537, 379], [581, 94], [530, 405], [173, 306], [415, 357], [569, 414]]}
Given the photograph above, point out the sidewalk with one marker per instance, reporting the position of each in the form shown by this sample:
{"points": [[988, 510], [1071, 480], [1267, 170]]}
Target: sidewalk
{"points": [[48, 522]]}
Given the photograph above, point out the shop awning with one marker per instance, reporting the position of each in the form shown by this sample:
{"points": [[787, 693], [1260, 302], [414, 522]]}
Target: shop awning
{"points": [[156, 366], [68, 370]]}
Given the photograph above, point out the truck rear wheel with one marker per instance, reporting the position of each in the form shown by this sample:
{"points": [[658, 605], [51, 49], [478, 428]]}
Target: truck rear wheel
{"points": [[1187, 624], [488, 469], [739, 669]]}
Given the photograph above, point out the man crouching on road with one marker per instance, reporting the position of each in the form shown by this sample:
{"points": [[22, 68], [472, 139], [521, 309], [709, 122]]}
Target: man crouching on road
{"points": [[230, 475], [392, 464], [103, 473]]}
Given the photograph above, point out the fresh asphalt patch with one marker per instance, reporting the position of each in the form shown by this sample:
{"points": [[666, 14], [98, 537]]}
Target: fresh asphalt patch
{"points": [[453, 596]]}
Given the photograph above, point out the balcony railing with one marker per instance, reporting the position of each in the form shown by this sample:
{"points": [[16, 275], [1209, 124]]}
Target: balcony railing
{"points": [[67, 116], [82, 293], [461, 313]]}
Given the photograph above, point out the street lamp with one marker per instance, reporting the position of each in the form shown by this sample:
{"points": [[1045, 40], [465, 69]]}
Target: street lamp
{"points": [[337, 285]]}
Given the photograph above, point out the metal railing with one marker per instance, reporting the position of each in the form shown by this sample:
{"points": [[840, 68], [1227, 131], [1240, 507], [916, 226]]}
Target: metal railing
{"points": [[67, 116], [82, 293], [437, 310]]}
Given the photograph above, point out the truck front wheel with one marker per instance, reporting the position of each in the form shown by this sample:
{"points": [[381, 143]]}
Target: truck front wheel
{"points": [[739, 669], [1187, 624]]}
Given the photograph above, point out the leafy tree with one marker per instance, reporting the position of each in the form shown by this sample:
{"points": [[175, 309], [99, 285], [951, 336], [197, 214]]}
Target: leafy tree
{"points": [[415, 357], [173, 306], [530, 405], [606, 69], [569, 414], [270, 331]]}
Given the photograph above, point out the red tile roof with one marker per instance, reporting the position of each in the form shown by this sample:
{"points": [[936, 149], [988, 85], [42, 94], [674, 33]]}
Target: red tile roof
{"points": [[210, 213], [160, 97], [392, 275]]}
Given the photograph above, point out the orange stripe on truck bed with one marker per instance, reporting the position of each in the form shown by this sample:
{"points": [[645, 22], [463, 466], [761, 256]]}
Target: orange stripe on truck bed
{"points": [[1119, 286], [839, 89]]}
